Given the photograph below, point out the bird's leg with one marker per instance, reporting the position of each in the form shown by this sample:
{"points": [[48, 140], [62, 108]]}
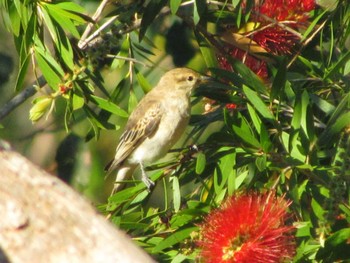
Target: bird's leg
{"points": [[148, 182]]}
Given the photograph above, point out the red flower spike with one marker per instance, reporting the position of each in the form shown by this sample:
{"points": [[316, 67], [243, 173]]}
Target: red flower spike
{"points": [[280, 10], [248, 228], [276, 40]]}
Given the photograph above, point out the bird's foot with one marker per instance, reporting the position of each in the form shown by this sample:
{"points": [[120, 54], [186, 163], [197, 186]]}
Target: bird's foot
{"points": [[148, 182]]}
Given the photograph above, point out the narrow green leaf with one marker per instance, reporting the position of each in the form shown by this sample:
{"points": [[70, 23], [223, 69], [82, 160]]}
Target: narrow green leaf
{"points": [[322, 104], [258, 103], [200, 163], [151, 11], [260, 163], [173, 239], [311, 27], [65, 49], [174, 6], [198, 10], [249, 77], [243, 130], [15, 21], [78, 101], [145, 85], [255, 117], [176, 193], [335, 129], [52, 78], [336, 247], [132, 101], [71, 6], [206, 50], [307, 116], [49, 24], [279, 81], [22, 73], [340, 63], [64, 21], [109, 106]]}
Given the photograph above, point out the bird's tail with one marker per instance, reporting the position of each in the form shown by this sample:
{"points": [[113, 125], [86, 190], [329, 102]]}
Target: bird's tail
{"points": [[124, 173]]}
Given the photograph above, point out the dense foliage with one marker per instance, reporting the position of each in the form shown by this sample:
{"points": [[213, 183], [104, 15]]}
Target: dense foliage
{"points": [[276, 117]]}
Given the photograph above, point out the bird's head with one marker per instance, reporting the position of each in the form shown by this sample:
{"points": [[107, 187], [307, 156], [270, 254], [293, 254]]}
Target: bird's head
{"points": [[182, 79]]}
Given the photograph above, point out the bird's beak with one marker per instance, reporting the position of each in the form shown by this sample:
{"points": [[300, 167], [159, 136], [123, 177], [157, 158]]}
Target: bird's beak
{"points": [[204, 79]]}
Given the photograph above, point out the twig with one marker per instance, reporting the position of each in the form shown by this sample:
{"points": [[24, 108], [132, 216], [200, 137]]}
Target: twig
{"points": [[89, 27], [83, 43], [134, 60], [21, 97], [306, 42]]}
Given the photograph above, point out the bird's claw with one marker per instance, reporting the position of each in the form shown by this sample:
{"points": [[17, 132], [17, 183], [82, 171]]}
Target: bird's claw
{"points": [[148, 182]]}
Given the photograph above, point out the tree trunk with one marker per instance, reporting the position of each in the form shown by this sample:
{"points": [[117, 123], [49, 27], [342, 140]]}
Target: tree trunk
{"points": [[44, 220]]}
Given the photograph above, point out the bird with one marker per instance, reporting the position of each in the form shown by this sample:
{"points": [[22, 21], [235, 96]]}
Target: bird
{"points": [[155, 125]]}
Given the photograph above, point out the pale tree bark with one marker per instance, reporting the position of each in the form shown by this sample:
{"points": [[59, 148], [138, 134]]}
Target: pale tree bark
{"points": [[44, 220]]}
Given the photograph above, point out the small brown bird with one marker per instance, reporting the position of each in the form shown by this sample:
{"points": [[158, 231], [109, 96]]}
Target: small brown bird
{"points": [[155, 125]]}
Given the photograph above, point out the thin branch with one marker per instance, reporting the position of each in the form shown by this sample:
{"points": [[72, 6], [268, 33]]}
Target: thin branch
{"points": [[306, 42], [89, 27], [83, 43], [134, 60], [21, 97]]}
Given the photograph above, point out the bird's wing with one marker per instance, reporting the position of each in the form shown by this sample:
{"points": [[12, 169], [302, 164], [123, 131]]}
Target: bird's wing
{"points": [[137, 130]]}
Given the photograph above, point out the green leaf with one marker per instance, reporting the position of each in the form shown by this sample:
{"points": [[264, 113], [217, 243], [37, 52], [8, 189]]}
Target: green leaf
{"points": [[132, 101], [65, 49], [15, 21], [200, 163], [22, 73], [44, 51], [317, 209], [307, 116], [311, 27], [48, 70], [206, 50], [340, 63], [49, 24], [279, 81], [228, 75], [63, 19], [255, 117], [260, 163], [146, 87], [174, 6], [322, 104], [78, 101], [335, 129], [176, 193], [258, 103], [242, 130], [198, 10], [175, 238], [149, 14], [72, 7], [248, 76], [224, 172], [109, 106], [336, 247], [337, 122]]}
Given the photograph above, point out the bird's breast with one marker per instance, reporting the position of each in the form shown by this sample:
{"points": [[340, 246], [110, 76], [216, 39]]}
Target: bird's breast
{"points": [[172, 125]]}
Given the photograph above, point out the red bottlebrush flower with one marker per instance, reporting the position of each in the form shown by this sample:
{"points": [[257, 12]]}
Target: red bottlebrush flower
{"points": [[258, 66], [276, 40], [248, 228], [280, 10]]}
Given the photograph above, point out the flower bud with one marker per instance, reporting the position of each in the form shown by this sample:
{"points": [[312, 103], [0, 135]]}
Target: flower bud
{"points": [[40, 107]]}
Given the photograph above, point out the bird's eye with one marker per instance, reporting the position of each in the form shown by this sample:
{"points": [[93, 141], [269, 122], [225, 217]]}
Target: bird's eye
{"points": [[190, 78]]}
